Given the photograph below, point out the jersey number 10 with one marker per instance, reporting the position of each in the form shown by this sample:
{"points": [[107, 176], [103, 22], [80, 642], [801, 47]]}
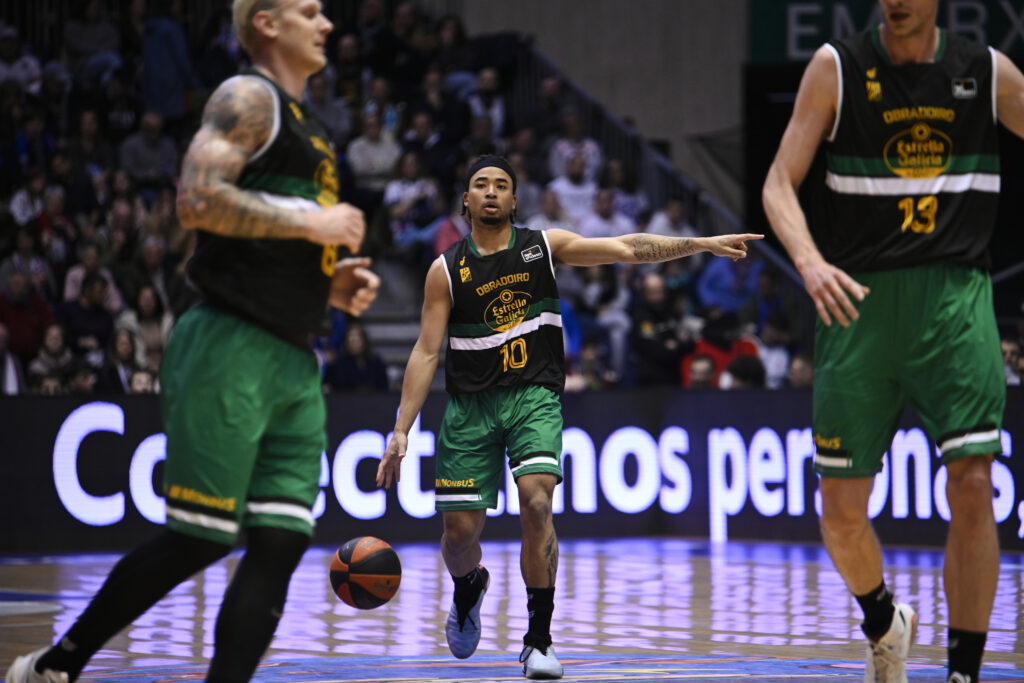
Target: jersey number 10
{"points": [[513, 354]]}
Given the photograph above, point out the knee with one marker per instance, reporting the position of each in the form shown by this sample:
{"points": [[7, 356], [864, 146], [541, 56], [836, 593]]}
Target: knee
{"points": [[535, 508], [459, 535], [839, 520], [969, 488]]}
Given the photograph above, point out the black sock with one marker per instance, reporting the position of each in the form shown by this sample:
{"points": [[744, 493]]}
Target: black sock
{"points": [[136, 583], [467, 589], [878, 610], [541, 603], [254, 602], [965, 650]]}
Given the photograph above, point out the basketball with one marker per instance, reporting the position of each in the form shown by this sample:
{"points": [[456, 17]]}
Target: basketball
{"points": [[365, 572]]}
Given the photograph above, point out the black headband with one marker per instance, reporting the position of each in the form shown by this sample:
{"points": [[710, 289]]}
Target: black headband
{"points": [[488, 161]]}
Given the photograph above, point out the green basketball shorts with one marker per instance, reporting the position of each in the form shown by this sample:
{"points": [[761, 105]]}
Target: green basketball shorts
{"points": [[476, 431], [245, 421], [926, 337]]}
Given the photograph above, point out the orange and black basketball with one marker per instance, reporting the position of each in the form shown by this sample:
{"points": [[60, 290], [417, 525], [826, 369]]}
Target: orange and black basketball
{"points": [[365, 572]]}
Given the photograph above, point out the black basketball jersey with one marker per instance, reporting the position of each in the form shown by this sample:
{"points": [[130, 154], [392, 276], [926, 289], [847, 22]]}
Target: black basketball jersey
{"points": [[282, 285], [505, 326], [912, 162]]}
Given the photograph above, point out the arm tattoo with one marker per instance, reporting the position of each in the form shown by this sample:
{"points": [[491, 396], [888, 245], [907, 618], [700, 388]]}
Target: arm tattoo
{"points": [[237, 121], [656, 248], [551, 555]]}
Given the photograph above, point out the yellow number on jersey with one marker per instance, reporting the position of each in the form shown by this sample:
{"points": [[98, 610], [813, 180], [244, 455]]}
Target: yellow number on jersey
{"points": [[926, 207], [513, 354], [328, 259]]}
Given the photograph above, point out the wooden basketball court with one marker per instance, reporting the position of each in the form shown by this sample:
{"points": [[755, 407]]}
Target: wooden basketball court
{"points": [[627, 609]]}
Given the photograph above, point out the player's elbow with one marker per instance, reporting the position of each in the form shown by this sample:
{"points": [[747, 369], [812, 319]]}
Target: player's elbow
{"points": [[194, 206]]}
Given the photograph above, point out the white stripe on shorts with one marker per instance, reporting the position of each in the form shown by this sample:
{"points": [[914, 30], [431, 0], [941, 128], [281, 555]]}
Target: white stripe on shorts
{"points": [[457, 497], [540, 459], [199, 519], [832, 461], [963, 440], [282, 509]]}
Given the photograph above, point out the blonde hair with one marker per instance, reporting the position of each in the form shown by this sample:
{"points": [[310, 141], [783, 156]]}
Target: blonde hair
{"points": [[242, 12]]}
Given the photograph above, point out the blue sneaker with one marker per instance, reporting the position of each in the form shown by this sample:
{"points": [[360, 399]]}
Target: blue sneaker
{"points": [[463, 630]]}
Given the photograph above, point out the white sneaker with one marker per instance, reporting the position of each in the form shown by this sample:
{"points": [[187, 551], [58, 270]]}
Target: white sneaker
{"points": [[957, 677], [23, 670], [887, 658], [538, 663], [464, 635]]}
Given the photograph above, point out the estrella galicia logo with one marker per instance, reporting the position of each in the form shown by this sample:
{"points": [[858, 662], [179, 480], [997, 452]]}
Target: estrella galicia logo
{"points": [[533, 253], [965, 88]]}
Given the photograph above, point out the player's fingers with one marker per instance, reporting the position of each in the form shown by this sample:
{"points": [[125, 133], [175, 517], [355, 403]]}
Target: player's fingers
{"points": [[843, 301], [819, 305]]}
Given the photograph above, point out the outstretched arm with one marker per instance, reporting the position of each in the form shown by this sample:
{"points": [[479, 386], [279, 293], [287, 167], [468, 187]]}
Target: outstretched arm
{"points": [[813, 116], [570, 248], [1009, 94], [419, 371], [237, 121]]}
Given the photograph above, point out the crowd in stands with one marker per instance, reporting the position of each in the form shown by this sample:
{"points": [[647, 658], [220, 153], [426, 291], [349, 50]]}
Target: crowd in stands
{"points": [[92, 257]]}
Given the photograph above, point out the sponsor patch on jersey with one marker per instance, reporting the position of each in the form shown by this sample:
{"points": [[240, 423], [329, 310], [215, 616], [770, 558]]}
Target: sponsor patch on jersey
{"points": [[874, 90], [965, 88], [533, 253], [296, 112], [464, 274]]}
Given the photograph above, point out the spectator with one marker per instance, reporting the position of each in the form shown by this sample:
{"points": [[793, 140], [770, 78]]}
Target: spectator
{"points": [[53, 358], [12, 380], [434, 152], [122, 187], [575, 192], [728, 285], [27, 261], [80, 202], [350, 73], [56, 230], [545, 117], [801, 371], [33, 144], [590, 373], [220, 53], [601, 308], [115, 375], [551, 215], [721, 340], [743, 372], [574, 144], [412, 48], [413, 202], [447, 112], [25, 314], [150, 270], [358, 367], [776, 336], [149, 156], [150, 325], [629, 201], [89, 149], [1011, 352], [390, 112], [527, 189], [142, 382], [604, 221], [672, 221], [524, 142], [768, 298], [168, 74], [162, 222], [17, 65], [121, 109], [88, 323], [89, 256], [332, 111], [372, 157], [699, 371], [27, 202], [54, 98], [452, 228], [488, 101], [50, 384], [81, 378], [481, 140], [656, 345], [91, 43], [455, 56]]}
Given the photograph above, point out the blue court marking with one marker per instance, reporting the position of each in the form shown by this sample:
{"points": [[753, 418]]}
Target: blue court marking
{"points": [[593, 668]]}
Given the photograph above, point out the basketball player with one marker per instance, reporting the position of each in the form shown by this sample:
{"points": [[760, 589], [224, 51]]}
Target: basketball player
{"points": [[908, 113], [242, 403], [494, 295]]}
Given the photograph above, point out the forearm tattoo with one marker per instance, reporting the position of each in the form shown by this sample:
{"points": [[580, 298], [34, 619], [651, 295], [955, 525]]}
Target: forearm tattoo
{"points": [[236, 122], [655, 248], [551, 555]]}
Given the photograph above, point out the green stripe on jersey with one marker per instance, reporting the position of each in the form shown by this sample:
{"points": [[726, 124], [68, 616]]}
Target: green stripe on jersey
{"points": [[483, 330], [873, 166], [281, 184]]}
